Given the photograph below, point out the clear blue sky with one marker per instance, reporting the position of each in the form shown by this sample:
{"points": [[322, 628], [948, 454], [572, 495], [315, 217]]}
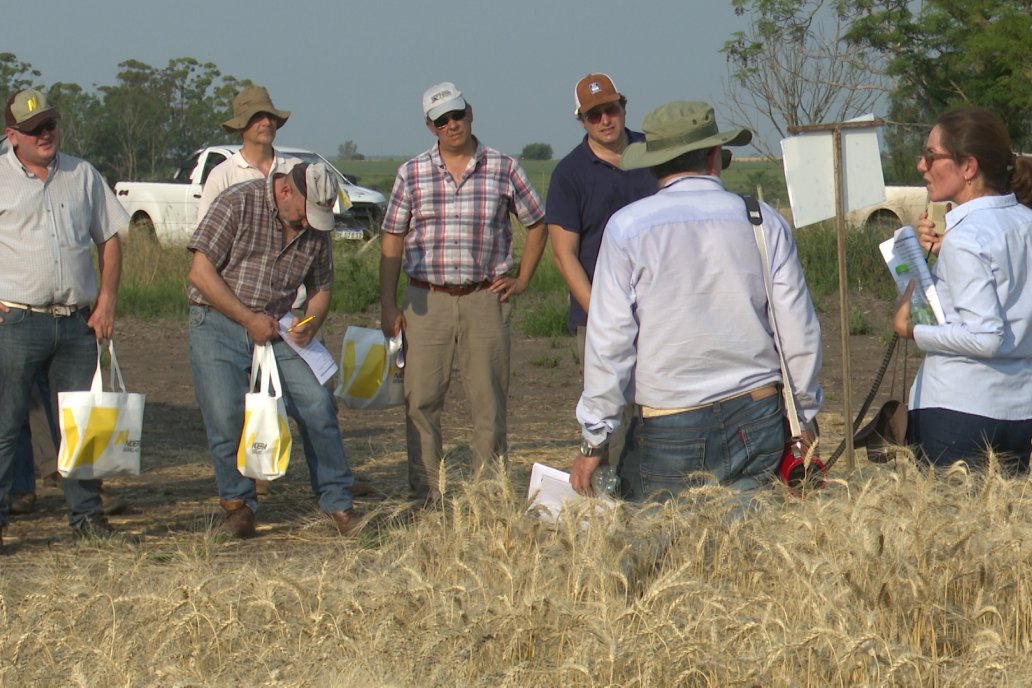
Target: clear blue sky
{"points": [[357, 70]]}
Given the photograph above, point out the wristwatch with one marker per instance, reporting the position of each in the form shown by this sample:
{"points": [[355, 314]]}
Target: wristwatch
{"points": [[586, 449]]}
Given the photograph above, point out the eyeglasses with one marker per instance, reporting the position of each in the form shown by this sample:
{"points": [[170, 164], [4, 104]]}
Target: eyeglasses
{"points": [[595, 116], [453, 116], [49, 125], [930, 158]]}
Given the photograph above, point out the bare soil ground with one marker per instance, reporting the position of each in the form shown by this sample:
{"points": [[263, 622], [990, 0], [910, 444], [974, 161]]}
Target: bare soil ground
{"points": [[175, 496]]}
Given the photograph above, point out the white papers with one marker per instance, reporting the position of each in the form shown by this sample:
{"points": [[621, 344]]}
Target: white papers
{"points": [[550, 491], [315, 354], [809, 161], [903, 249]]}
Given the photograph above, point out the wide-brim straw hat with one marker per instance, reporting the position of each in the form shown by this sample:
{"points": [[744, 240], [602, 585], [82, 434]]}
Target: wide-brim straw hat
{"points": [[250, 102], [678, 128]]}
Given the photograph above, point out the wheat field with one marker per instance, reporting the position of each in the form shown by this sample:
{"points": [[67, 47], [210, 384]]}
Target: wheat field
{"points": [[895, 577]]}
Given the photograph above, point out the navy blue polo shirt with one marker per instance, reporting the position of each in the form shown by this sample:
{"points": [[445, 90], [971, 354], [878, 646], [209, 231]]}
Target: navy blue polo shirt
{"points": [[584, 193]]}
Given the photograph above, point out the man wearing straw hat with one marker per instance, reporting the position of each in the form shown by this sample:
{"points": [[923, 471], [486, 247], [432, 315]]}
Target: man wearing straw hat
{"points": [[53, 309], [257, 120], [679, 324]]}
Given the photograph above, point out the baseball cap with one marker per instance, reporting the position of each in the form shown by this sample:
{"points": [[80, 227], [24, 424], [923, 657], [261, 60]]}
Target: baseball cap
{"points": [[592, 91], [27, 109], [319, 188], [442, 98]]}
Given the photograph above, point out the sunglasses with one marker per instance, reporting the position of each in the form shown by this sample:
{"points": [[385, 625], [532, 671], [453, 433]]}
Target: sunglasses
{"points": [[49, 125], [930, 158], [595, 116], [453, 116]]}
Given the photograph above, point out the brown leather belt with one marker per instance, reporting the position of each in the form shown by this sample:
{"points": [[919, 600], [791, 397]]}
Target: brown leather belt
{"points": [[57, 310], [451, 289], [757, 394]]}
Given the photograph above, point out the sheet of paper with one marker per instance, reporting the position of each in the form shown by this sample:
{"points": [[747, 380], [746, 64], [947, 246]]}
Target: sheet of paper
{"points": [[550, 489], [809, 162], [318, 358], [904, 249]]}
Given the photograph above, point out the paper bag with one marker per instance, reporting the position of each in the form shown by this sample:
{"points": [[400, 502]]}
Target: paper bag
{"points": [[100, 431], [265, 440], [371, 370]]}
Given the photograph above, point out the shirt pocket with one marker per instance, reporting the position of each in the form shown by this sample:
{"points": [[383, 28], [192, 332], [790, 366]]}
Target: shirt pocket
{"points": [[72, 227]]}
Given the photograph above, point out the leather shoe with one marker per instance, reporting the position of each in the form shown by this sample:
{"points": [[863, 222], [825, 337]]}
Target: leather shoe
{"points": [[349, 523], [93, 529], [261, 487], [239, 519], [23, 503]]}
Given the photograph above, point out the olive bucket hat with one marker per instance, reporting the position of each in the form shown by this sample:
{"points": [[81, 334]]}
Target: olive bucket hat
{"points": [[247, 104], [678, 128]]}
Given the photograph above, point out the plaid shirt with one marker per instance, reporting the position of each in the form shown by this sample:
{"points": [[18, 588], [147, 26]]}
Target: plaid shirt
{"points": [[459, 232], [243, 238]]}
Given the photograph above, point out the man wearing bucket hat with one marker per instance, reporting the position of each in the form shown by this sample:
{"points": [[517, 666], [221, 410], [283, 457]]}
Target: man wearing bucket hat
{"points": [[257, 244], [447, 225], [257, 120], [679, 323], [53, 209]]}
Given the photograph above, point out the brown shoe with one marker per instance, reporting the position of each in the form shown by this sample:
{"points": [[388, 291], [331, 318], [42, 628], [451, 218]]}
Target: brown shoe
{"points": [[361, 487], [95, 528], [348, 522], [261, 487], [239, 519], [23, 503]]}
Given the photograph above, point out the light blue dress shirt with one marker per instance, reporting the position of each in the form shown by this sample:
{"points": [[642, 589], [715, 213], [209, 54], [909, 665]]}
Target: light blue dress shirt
{"points": [[980, 360], [678, 313]]}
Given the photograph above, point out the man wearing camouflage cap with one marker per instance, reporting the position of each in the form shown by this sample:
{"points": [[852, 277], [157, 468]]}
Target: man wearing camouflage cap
{"points": [[53, 310]]}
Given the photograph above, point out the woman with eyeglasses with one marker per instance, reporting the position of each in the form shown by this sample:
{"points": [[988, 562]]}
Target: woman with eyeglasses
{"points": [[973, 391]]}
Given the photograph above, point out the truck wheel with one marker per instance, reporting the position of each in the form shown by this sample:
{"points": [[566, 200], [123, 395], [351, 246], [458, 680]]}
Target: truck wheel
{"points": [[883, 223], [141, 227]]}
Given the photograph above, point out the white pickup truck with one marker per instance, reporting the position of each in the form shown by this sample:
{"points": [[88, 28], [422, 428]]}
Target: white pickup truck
{"points": [[903, 205], [167, 211]]}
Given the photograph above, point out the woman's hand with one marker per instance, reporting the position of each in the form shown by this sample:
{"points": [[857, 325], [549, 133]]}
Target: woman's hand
{"points": [[926, 235], [901, 322]]}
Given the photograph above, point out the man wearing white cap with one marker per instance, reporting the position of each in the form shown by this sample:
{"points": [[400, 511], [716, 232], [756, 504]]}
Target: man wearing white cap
{"points": [[258, 243], [679, 324], [447, 226]]}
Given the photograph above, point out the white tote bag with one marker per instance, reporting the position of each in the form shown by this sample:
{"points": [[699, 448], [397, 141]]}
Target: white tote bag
{"points": [[100, 431], [372, 369], [265, 440]]}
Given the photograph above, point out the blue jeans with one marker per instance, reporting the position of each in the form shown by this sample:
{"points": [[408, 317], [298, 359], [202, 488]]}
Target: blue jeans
{"points": [[738, 443], [63, 349], [25, 469], [220, 356], [944, 437]]}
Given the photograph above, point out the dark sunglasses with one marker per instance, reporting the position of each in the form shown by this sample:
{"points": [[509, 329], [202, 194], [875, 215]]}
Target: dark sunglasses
{"points": [[453, 116], [49, 125], [595, 116]]}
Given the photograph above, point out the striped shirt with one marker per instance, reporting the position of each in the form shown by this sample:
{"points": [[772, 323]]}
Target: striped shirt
{"points": [[458, 232], [243, 238], [48, 228]]}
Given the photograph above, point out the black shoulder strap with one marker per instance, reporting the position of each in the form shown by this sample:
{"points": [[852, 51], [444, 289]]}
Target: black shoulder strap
{"points": [[752, 207]]}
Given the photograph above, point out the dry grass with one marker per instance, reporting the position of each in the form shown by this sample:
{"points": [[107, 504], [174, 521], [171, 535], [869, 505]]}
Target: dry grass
{"points": [[895, 577]]}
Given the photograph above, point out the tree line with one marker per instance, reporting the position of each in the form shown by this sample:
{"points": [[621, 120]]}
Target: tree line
{"points": [[146, 123], [819, 61]]}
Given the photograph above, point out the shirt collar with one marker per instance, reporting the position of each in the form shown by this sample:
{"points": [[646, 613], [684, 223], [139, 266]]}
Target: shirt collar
{"points": [[697, 182], [957, 215], [19, 165], [438, 161]]}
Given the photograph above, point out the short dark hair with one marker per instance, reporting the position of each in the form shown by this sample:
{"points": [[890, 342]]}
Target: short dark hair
{"points": [[692, 161]]}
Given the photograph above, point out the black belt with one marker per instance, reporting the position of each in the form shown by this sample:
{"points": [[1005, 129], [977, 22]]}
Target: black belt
{"points": [[57, 310], [452, 289]]}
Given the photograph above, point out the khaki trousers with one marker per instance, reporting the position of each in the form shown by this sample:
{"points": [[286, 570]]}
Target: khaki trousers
{"points": [[441, 329]]}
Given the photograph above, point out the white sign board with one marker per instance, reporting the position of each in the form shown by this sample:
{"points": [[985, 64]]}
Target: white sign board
{"points": [[810, 173]]}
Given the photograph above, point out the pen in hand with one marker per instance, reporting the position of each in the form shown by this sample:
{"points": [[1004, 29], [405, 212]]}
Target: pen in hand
{"points": [[301, 322]]}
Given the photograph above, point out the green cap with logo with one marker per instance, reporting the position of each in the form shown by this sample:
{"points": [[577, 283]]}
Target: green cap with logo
{"points": [[28, 109]]}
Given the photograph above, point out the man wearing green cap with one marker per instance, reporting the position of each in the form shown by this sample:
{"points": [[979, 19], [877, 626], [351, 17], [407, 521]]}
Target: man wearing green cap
{"points": [[53, 308], [679, 324]]}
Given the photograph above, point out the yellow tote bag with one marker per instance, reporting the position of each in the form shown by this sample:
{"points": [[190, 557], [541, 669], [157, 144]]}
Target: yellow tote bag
{"points": [[265, 440], [100, 431], [372, 369]]}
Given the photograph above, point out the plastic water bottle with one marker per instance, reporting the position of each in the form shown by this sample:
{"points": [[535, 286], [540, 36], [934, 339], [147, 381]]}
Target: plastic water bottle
{"points": [[605, 481], [920, 312]]}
